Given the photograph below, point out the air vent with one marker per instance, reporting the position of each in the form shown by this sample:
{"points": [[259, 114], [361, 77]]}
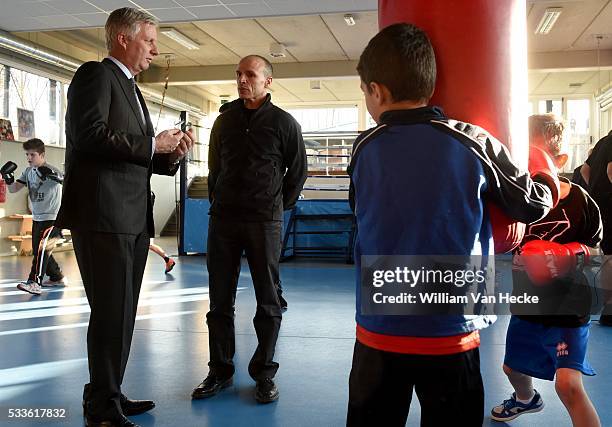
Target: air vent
{"points": [[315, 84], [575, 85], [277, 50]]}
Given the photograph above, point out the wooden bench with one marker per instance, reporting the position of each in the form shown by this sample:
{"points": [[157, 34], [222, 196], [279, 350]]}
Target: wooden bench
{"points": [[25, 245], [25, 234]]}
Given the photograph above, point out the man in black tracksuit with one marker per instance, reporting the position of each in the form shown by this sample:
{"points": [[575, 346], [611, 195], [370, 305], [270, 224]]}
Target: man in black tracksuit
{"points": [[597, 172], [257, 167]]}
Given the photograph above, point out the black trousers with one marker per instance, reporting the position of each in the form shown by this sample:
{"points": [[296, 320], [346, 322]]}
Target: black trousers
{"points": [[449, 387], [605, 274], [111, 266], [226, 241], [43, 261]]}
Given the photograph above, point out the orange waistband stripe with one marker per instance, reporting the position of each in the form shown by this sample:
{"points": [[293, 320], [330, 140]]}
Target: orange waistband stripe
{"points": [[419, 345]]}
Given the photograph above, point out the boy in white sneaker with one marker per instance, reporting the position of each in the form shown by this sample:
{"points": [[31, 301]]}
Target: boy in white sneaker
{"points": [[44, 183], [552, 344]]}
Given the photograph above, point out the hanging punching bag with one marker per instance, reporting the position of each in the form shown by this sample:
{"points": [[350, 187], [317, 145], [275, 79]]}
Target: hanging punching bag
{"points": [[2, 191], [481, 60]]}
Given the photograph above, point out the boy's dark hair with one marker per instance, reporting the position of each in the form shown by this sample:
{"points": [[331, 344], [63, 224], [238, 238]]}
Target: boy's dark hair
{"points": [[400, 57], [34, 144]]}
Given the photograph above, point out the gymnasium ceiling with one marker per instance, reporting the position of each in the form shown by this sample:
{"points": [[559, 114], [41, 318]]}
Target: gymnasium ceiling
{"points": [[321, 49]]}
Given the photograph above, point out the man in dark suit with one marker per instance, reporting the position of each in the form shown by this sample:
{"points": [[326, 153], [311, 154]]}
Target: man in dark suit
{"points": [[111, 152]]}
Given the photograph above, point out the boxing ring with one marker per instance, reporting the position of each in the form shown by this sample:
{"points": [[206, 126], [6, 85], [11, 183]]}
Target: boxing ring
{"points": [[322, 228]]}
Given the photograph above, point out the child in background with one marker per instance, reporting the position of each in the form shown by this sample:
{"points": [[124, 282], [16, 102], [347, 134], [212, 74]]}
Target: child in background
{"points": [[170, 263], [548, 345], [44, 182]]}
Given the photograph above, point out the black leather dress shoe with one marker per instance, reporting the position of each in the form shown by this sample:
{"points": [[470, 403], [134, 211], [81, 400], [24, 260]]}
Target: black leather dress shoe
{"points": [[605, 320], [210, 386], [118, 421], [135, 407], [266, 391], [129, 407]]}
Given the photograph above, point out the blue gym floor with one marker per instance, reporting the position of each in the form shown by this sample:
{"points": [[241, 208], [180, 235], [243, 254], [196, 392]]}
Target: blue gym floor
{"points": [[43, 361]]}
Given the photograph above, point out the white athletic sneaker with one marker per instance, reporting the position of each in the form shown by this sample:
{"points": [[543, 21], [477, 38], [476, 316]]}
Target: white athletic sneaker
{"points": [[29, 286], [511, 408], [55, 283]]}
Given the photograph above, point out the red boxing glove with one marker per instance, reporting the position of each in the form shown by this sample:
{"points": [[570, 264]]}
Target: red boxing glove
{"points": [[546, 261], [542, 169]]}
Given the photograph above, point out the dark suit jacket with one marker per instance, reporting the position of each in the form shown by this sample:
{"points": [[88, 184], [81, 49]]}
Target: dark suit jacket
{"points": [[108, 155]]}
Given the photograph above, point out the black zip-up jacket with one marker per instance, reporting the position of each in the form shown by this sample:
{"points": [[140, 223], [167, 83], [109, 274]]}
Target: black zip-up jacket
{"points": [[257, 162]]}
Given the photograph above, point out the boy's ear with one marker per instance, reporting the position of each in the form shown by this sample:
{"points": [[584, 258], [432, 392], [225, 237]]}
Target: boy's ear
{"points": [[374, 89], [561, 160], [379, 92]]}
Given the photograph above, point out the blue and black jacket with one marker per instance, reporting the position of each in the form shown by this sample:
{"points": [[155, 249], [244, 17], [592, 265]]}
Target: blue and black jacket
{"points": [[420, 186]]}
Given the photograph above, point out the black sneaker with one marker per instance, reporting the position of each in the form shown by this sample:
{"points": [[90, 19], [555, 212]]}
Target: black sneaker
{"points": [[210, 386], [266, 391]]}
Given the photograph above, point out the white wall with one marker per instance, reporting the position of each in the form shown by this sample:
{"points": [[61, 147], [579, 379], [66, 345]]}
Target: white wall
{"points": [[163, 187]]}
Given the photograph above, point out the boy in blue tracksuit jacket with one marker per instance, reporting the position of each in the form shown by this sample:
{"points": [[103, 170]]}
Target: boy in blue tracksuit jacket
{"points": [[436, 206]]}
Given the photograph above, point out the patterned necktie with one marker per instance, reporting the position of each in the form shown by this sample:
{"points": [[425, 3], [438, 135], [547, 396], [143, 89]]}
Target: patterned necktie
{"points": [[142, 116]]}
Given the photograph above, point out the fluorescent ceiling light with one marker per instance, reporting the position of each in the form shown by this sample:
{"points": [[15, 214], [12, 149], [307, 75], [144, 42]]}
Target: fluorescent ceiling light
{"points": [[180, 38], [10, 42], [548, 20]]}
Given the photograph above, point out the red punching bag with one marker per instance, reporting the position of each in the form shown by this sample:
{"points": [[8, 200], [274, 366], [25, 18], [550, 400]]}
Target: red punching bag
{"points": [[481, 59], [2, 191]]}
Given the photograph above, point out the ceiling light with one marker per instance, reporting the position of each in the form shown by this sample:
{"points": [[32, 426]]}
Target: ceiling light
{"points": [[551, 14], [349, 19], [277, 50], [180, 38], [315, 84], [12, 43], [31, 50]]}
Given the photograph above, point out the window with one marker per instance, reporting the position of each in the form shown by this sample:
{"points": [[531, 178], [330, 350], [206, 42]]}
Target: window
{"points": [[554, 106], [42, 96], [168, 118], [578, 132], [326, 119]]}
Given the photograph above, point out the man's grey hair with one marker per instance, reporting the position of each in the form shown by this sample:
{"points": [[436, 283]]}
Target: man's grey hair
{"points": [[126, 20]]}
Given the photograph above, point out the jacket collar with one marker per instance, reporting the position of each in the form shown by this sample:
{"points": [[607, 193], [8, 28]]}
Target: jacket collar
{"points": [[412, 116], [121, 66], [126, 86], [237, 103]]}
